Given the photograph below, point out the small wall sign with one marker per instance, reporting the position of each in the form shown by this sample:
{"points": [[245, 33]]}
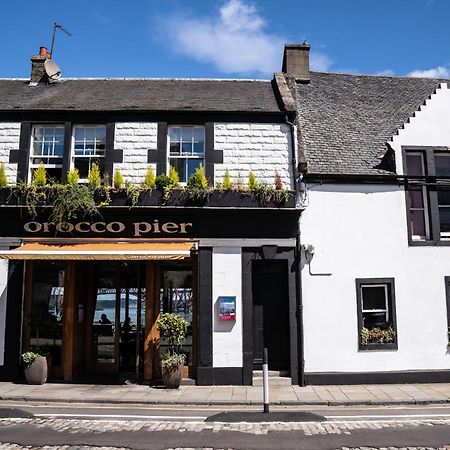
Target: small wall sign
{"points": [[227, 308]]}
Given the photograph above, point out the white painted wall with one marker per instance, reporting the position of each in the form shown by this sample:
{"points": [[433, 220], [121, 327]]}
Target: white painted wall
{"points": [[361, 232], [258, 147], [135, 139], [3, 293], [227, 281], [429, 126], [9, 140]]}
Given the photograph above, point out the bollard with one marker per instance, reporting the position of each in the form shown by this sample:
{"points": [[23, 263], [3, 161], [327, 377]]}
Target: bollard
{"points": [[266, 381]]}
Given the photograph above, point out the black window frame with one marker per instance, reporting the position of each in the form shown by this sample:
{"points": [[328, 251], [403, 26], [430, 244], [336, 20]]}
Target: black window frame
{"points": [[390, 283], [447, 297], [431, 194]]}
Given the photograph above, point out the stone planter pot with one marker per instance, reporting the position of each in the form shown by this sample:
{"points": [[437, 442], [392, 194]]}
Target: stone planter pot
{"points": [[36, 372], [172, 379]]}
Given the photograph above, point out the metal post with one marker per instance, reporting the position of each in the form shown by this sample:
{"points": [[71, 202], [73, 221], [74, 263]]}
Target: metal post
{"points": [[266, 381]]}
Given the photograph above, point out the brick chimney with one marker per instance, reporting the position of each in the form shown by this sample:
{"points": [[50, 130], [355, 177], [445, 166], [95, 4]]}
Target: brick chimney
{"points": [[296, 61], [38, 74]]}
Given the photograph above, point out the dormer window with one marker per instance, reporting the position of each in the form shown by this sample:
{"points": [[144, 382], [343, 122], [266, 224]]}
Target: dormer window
{"points": [[186, 149], [47, 148]]}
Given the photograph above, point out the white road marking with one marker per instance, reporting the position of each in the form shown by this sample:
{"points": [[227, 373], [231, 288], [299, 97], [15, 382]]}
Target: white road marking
{"points": [[389, 416], [122, 416]]}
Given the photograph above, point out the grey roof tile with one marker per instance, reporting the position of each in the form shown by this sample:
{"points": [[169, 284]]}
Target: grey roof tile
{"points": [[346, 120]]}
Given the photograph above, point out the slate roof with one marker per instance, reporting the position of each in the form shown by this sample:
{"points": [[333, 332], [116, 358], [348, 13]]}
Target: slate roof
{"points": [[152, 95], [346, 120]]}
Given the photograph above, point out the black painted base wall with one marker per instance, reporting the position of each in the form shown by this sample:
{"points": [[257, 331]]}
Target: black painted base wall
{"points": [[219, 376], [409, 376]]}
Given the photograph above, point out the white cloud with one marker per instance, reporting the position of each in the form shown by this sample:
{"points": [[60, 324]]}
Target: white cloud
{"points": [[320, 62], [436, 72], [235, 41], [385, 73]]}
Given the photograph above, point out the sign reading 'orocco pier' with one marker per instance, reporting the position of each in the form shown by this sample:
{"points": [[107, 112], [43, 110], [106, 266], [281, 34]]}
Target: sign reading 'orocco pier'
{"points": [[153, 228]]}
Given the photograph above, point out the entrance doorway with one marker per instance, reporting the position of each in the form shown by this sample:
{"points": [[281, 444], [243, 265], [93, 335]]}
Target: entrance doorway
{"points": [[271, 313], [100, 317]]}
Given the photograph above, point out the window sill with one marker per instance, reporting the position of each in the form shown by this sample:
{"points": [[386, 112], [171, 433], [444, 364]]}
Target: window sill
{"points": [[378, 346], [430, 243]]}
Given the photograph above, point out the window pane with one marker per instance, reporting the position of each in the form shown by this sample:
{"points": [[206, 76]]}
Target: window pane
{"points": [[373, 297], [442, 163], [174, 148], [414, 164], [199, 134], [444, 219], [59, 134], [82, 164], [186, 148], [374, 320], [192, 166], [418, 223], [199, 148], [100, 134], [416, 198], [54, 174], [38, 134], [59, 150], [90, 134], [444, 197], [79, 134], [186, 134], [174, 134]]}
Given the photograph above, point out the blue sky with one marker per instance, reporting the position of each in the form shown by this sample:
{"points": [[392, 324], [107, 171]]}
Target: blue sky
{"points": [[227, 38]]}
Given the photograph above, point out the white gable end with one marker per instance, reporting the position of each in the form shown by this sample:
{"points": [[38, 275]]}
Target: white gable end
{"points": [[430, 126]]}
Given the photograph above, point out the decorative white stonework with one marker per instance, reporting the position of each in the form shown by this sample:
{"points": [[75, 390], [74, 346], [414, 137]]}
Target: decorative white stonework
{"points": [[261, 148], [227, 281], [9, 140], [135, 139], [428, 127]]}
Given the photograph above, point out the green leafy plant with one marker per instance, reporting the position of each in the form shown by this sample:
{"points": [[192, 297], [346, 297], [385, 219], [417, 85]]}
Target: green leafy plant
{"points": [[162, 181], [252, 183], [198, 179], [174, 177], [3, 177], [73, 177], [133, 192], [172, 327], [227, 184], [29, 358], [40, 176], [150, 179], [378, 335], [94, 177], [118, 180]]}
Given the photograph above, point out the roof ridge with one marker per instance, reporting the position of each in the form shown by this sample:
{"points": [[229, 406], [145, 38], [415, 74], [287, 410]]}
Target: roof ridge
{"points": [[396, 77]]}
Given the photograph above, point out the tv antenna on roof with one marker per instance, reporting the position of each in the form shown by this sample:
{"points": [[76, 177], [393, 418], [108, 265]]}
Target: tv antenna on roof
{"points": [[57, 26]]}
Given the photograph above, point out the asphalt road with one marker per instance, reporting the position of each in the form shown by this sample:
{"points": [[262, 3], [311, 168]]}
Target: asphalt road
{"points": [[163, 427]]}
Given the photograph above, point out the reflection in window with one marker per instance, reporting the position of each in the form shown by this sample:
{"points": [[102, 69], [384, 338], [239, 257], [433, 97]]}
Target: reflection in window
{"points": [[176, 297], [45, 320], [89, 147]]}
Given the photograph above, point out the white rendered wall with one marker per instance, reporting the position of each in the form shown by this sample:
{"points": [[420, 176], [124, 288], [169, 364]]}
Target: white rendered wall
{"points": [[258, 147], [429, 126], [361, 232], [227, 281], [3, 292], [9, 140], [135, 139]]}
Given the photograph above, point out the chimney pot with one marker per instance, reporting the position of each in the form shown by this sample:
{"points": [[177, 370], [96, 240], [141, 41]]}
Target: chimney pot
{"points": [[38, 73], [43, 51], [296, 61]]}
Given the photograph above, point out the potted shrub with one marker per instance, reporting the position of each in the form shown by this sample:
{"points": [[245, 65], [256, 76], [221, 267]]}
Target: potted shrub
{"points": [[172, 327], [35, 367]]}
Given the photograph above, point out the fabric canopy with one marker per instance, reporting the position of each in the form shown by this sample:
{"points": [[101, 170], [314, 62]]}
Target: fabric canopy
{"points": [[101, 251]]}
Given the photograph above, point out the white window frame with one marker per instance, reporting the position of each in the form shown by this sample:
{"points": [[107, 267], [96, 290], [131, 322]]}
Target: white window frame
{"points": [[72, 147], [418, 237], [386, 300], [33, 166], [184, 157], [444, 235]]}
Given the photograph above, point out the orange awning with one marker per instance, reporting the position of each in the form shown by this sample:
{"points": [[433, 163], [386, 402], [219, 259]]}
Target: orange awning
{"points": [[101, 251]]}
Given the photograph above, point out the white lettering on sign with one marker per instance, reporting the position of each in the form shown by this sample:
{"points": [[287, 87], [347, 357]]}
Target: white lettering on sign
{"points": [[137, 229]]}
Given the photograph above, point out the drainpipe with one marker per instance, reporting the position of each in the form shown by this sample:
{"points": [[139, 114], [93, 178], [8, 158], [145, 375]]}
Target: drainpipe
{"points": [[298, 285]]}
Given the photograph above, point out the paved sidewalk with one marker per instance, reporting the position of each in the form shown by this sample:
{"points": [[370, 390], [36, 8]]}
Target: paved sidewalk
{"points": [[381, 394]]}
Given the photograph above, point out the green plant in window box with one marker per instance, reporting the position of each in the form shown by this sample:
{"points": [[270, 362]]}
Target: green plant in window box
{"points": [[133, 192], [227, 184], [174, 177], [3, 177], [378, 335], [197, 188], [118, 181], [172, 327], [252, 183], [150, 178], [40, 176], [94, 177], [73, 177]]}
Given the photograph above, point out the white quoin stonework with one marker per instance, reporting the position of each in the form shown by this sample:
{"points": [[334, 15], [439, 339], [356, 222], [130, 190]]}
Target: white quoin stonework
{"points": [[429, 126], [361, 232], [227, 281], [135, 139], [9, 140], [262, 148]]}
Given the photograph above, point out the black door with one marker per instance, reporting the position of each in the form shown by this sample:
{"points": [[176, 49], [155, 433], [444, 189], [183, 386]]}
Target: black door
{"points": [[271, 313]]}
